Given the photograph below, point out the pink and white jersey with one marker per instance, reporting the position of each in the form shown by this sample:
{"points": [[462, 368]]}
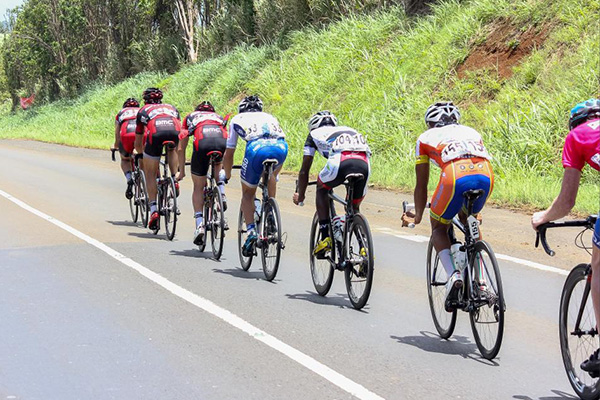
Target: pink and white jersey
{"points": [[583, 145]]}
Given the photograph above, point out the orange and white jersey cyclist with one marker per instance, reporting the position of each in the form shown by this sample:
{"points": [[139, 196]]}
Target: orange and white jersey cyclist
{"points": [[464, 161]]}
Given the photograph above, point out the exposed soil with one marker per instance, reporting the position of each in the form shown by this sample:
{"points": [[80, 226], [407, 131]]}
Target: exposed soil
{"points": [[505, 46]]}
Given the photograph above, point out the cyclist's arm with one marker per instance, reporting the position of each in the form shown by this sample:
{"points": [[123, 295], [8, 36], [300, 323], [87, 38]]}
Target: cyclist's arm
{"points": [[422, 171], [228, 161], [307, 161], [117, 134], [183, 142], [564, 202]]}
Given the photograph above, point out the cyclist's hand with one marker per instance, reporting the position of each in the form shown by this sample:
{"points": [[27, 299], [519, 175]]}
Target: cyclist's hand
{"points": [[537, 219], [408, 219], [297, 199], [180, 175]]}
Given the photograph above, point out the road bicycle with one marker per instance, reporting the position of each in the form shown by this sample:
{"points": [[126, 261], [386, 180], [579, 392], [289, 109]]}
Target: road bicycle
{"points": [[351, 252], [138, 203], [578, 332], [166, 199], [482, 295], [214, 216], [268, 225]]}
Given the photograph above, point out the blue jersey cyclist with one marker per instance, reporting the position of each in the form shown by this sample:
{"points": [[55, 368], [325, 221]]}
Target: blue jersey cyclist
{"points": [[265, 140]]}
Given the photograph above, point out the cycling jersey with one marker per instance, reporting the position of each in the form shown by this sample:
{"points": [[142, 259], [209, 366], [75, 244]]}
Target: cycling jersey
{"points": [[162, 124], [126, 119], [209, 135], [328, 140], [253, 125], [582, 146], [448, 143]]}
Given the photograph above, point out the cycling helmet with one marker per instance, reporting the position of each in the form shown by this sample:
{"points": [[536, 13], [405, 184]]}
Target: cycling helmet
{"points": [[205, 106], [250, 103], [442, 113], [320, 119], [152, 95], [131, 102], [582, 111]]}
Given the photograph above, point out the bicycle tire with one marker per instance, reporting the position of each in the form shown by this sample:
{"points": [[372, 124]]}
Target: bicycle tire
{"points": [[134, 205], [361, 278], [272, 242], [444, 321], [245, 262], [206, 215], [170, 208], [492, 313], [144, 206], [321, 271], [586, 387], [217, 216]]}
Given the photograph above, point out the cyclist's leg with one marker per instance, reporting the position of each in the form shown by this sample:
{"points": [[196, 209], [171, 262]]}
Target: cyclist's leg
{"points": [[250, 176], [279, 152], [199, 168], [356, 163], [329, 177], [152, 153]]}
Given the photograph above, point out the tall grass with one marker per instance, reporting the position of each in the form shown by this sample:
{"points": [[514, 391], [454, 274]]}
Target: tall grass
{"points": [[379, 73]]}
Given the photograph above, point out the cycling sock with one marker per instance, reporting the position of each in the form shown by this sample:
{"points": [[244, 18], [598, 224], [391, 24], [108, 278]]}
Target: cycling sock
{"points": [[324, 228], [251, 227], [446, 260], [128, 175], [199, 218], [152, 207]]}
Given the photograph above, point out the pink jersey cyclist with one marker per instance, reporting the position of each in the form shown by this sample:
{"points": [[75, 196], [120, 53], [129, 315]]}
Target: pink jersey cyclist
{"points": [[582, 145]]}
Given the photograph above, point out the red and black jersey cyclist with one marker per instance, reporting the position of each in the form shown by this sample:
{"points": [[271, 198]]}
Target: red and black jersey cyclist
{"points": [[125, 137], [208, 130], [162, 124], [582, 146]]}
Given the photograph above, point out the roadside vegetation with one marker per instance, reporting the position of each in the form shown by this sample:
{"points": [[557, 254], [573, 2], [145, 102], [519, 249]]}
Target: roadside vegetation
{"points": [[514, 67]]}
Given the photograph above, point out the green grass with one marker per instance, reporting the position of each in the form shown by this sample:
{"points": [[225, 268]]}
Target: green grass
{"points": [[379, 73]]}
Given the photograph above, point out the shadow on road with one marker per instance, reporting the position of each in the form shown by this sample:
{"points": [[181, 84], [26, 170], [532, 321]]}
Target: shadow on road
{"points": [[338, 300], [194, 253], [240, 273], [457, 345], [148, 235], [560, 395], [123, 223]]}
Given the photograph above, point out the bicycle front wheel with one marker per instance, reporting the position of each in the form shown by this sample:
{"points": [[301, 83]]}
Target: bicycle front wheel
{"points": [[142, 192], [271, 239], [134, 205], [320, 269], [487, 297], [578, 341], [245, 262], [217, 225], [444, 321], [170, 208], [359, 271]]}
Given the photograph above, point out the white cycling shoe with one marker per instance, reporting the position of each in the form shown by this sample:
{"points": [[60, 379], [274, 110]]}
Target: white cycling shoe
{"points": [[199, 235], [453, 287]]}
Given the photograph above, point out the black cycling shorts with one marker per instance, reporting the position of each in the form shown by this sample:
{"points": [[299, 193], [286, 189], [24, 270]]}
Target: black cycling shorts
{"points": [[349, 166], [154, 142], [200, 158]]}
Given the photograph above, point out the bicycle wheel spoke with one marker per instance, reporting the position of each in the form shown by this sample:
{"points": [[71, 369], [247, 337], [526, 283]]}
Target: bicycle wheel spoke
{"points": [[359, 273]]}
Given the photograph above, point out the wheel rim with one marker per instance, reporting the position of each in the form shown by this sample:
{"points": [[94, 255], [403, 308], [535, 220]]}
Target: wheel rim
{"points": [[242, 235], [271, 249], [143, 199], [216, 223], [436, 287], [320, 269], [134, 204], [359, 276], [170, 208]]}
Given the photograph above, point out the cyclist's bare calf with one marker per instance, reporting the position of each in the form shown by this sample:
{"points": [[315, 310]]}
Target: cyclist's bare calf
{"points": [[249, 194]]}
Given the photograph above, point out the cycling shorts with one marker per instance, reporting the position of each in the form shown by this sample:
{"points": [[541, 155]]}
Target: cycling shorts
{"points": [[127, 138], [457, 177], [200, 158], [340, 165], [596, 238], [257, 151]]}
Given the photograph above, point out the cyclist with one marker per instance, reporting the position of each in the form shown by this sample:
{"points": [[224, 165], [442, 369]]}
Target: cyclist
{"points": [[459, 151], [208, 129], [125, 137], [347, 152], [162, 123], [582, 146], [265, 140]]}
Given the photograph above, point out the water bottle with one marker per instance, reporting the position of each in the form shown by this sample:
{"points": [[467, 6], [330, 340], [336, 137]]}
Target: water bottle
{"points": [[459, 256], [257, 209], [337, 223]]}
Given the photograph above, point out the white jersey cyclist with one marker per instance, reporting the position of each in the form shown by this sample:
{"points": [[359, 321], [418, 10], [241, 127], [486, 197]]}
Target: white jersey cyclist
{"points": [[253, 125]]}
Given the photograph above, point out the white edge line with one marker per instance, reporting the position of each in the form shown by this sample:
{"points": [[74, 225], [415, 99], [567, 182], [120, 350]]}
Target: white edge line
{"points": [[527, 263], [305, 360]]}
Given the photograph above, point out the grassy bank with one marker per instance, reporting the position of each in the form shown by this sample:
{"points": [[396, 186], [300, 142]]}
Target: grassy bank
{"points": [[379, 73]]}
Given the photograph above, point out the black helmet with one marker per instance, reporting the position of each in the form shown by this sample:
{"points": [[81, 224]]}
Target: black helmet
{"points": [[250, 103], [131, 102], [205, 106], [152, 95], [442, 113], [582, 111]]}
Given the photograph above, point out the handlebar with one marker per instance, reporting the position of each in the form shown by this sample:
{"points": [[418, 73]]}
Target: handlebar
{"points": [[112, 155], [411, 206], [541, 231]]}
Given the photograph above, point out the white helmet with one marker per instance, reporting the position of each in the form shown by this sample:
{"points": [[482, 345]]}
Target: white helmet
{"points": [[320, 119], [250, 103], [442, 113]]}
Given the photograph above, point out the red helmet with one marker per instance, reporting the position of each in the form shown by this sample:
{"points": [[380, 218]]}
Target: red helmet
{"points": [[205, 106], [131, 102], [152, 95]]}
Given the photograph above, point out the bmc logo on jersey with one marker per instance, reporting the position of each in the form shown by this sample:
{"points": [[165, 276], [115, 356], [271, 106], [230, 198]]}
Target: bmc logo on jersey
{"points": [[211, 130], [164, 122]]}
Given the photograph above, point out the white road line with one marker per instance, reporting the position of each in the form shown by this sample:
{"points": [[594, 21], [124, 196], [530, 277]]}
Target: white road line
{"points": [[324, 371], [526, 263]]}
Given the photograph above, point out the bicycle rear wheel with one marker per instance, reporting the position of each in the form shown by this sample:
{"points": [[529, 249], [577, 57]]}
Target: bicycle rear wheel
{"points": [[444, 321], [143, 197], [245, 262], [170, 208], [577, 348], [359, 272], [487, 315], [206, 213], [134, 205], [321, 269], [271, 234], [217, 227]]}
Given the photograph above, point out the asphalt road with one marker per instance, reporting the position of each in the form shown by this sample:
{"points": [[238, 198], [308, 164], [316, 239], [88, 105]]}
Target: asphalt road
{"points": [[76, 323]]}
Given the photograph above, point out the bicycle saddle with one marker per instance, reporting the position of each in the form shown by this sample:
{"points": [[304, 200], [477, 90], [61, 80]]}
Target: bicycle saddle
{"points": [[270, 161], [354, 177], [215, 153], [473, 194]]}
